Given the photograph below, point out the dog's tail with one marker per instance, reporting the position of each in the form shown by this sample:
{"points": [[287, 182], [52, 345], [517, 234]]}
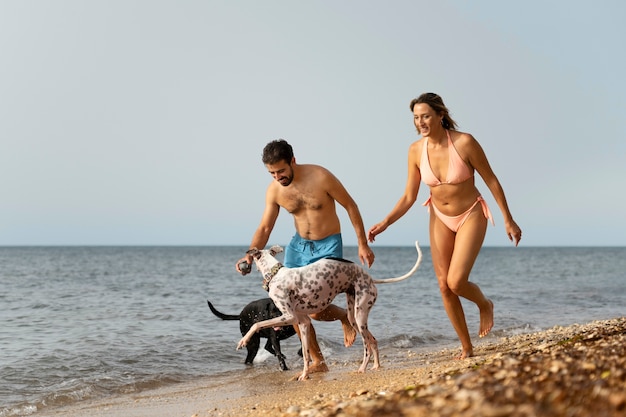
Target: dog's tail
{"points": [[222, 315], [408, 274]]}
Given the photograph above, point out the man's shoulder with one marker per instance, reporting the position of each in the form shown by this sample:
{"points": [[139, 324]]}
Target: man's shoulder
{"points": [[313, 167], [313, 171]]}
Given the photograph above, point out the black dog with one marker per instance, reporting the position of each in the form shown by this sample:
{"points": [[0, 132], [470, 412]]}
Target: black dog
{"points": [[260, 310]]}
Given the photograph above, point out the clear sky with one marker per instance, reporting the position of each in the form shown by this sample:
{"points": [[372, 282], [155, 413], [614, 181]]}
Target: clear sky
{"points": [[142, 122]]}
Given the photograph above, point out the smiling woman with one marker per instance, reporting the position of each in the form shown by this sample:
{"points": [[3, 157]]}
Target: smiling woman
{"points": [[458, 213]]}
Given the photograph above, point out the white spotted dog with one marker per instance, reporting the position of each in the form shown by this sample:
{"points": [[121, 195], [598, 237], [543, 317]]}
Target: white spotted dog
{"points": [[299, 292]]}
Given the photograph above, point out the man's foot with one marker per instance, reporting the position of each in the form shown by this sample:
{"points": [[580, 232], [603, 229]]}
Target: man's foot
{"points": [[318, 367], [465, 353], [486, 320], [299, 377], [349, 333]]}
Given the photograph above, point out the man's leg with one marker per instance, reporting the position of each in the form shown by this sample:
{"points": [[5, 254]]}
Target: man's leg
{"points": [[294, 257], [317, 359], [332, 313], [332, 246]]}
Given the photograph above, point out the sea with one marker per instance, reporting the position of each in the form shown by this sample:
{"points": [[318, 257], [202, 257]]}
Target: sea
{"points": [[85, 323]]}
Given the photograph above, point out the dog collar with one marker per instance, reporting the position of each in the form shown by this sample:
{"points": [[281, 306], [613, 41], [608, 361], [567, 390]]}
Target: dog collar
{"points": [[268, 277]]}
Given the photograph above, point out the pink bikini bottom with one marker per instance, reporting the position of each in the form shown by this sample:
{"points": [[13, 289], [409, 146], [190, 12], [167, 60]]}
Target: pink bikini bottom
{"points": [[455, 222]]}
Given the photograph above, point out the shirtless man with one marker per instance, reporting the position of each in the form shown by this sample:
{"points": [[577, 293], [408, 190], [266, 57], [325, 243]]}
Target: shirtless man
{"points": [[309, 193]]}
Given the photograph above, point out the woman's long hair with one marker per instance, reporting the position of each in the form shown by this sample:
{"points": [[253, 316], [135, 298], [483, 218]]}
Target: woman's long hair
{"points": [[436, 103]]}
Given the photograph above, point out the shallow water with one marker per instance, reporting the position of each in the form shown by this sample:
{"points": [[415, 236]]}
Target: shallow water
{"points": [[82, 323]]}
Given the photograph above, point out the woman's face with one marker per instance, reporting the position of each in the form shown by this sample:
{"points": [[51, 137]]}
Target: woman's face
{"points": [[425, 119]]}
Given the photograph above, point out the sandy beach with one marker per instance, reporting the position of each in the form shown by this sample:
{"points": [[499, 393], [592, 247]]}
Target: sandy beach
{"points": [[578, 370]]}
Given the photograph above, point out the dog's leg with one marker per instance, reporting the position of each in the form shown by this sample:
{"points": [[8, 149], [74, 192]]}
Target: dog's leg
{"points": [[370, 348], [304, 324], [268, 345], [284, 320], [253, 348], [365, 299], [350, 309], [274, 344]]}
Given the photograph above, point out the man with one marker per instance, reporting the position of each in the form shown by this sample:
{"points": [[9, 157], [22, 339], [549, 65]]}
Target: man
{"points": [[309, 193]]}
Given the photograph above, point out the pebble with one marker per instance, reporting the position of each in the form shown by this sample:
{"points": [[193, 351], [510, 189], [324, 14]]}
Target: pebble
{"points": [[527, 381]]}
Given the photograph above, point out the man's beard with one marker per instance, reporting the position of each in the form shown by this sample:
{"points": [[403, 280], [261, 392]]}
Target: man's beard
{"points": [[285, 181]]}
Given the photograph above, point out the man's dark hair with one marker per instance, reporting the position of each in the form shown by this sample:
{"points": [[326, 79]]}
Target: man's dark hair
{"points": [[276, 151]]}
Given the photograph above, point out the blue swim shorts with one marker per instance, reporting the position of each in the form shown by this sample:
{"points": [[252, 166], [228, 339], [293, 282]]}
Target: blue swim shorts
{"points": [[301, 252]]}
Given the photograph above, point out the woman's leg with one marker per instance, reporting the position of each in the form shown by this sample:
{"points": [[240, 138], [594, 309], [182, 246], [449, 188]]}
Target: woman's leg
{"points": [[453, 256], [441, 248], [468, 242]]}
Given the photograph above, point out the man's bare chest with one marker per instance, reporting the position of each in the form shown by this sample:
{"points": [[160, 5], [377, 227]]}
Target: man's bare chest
{"points": [[296, 201]]}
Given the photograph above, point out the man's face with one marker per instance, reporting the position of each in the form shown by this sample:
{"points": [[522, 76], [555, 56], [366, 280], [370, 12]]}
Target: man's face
{"points": [[281, 172]]}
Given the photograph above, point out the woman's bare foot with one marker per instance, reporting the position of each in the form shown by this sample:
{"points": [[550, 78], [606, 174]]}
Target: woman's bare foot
{"points": [[349, 333], [486, 320]]}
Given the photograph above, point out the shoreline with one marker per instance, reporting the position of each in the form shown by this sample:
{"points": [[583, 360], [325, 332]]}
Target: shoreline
{"points": [[579, 368]]}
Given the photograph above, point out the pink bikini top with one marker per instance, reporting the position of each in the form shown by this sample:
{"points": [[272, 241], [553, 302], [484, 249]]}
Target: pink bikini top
{"points": [[458, 171]]}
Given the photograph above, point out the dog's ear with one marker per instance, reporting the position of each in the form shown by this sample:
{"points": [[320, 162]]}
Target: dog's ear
{"points": [[275, 249], [253, 251]]}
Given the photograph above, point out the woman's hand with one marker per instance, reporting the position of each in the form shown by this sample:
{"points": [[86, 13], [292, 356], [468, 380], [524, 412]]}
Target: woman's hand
{"points": [[513, 231], [376, 230]]}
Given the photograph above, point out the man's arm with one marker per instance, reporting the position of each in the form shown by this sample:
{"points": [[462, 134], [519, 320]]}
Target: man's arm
{"points": [[341, 195], [262, 233]]}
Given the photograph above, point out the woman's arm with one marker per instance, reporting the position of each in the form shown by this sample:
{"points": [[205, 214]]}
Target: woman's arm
{"points": [[408, 198], [479, 161]]}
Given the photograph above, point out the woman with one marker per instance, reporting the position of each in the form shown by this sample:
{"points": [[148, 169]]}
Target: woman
{"points": [[445, 159]]}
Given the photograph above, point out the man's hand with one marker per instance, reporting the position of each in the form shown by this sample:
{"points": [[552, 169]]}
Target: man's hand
{"points": [[244, 265], [366, 255]]}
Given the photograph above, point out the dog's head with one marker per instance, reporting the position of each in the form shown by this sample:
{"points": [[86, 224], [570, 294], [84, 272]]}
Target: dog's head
{"points": [[264, 258], [256, 253]]}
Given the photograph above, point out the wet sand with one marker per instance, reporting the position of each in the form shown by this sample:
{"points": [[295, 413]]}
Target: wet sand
{"points": [[578, 370]]}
